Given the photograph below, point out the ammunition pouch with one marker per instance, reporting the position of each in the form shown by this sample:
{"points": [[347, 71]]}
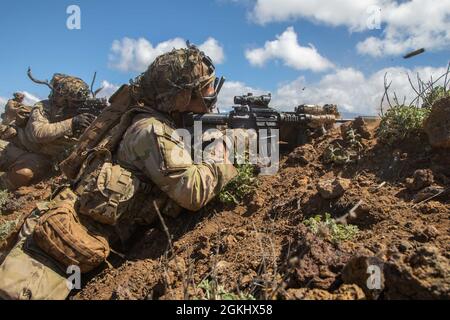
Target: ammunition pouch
{"points": [[103, 192]]}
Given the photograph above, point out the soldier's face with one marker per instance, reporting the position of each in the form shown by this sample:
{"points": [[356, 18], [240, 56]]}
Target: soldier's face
{"points": [[19, 98], [197, 104]]}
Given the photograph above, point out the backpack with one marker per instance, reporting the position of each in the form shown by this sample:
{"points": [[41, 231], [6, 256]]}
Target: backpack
{"points": [[105, 132]]}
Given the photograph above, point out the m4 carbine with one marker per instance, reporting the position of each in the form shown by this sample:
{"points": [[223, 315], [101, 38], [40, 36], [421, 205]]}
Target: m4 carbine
{"points": [[92, 106], [253, 112]]}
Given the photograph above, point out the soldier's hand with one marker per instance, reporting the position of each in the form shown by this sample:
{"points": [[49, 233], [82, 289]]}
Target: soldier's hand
{"points": [[81, 122]]}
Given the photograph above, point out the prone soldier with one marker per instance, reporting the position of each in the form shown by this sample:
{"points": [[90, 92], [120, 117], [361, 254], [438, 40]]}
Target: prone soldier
{"points": [[34, 139], [126, 170]]}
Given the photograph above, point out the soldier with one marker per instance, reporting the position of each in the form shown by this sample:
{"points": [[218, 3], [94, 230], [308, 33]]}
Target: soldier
{"points": [[122, 184], [13, 108], [16, 112], [48, 131]]}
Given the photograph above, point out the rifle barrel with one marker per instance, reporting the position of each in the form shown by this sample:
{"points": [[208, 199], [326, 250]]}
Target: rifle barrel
{"points": [[344, 120]]}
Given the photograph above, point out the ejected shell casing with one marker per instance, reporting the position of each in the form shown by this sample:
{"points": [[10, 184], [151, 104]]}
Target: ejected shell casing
{"points": [[414, 53]]}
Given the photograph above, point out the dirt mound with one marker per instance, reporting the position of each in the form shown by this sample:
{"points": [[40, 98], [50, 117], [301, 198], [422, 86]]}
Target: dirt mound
{"points": [[278, 243], [437, 126], [16, 206], [263, 249]]}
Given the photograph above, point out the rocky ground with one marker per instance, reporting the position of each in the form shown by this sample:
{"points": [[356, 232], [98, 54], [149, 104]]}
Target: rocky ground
{"points": [[267, 247]]}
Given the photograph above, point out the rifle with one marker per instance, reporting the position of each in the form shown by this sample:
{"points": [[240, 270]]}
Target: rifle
{"points": [[93, 106], [253, 112]]}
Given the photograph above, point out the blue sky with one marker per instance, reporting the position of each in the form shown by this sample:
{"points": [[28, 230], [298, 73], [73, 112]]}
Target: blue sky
{"points": [[34, 33]]}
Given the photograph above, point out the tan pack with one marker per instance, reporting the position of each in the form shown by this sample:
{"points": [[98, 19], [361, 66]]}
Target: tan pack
{"points": [[61, 235], [102, 192]]}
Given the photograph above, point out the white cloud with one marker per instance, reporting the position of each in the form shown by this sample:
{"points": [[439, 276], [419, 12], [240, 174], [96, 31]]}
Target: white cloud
{"points": [[335, 13], [30, 99], [350, 89], [287, 48], [108, 89], [213, 49], [130, 54], [407, 24], [231, 89], [2, 103], [411, 25]]}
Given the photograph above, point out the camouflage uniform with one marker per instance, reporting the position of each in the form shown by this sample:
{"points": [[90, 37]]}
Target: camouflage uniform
{"points": [[15, 112], [29, 153], [150, 145], [13, 108], [150, 165]]}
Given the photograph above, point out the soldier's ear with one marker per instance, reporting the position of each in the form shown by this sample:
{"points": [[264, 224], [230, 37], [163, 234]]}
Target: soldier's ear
{"points": [[182, 100]]}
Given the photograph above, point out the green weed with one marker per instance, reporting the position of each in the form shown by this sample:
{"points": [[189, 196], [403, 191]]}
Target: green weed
{"points": [[328, 227], [241, 185]]}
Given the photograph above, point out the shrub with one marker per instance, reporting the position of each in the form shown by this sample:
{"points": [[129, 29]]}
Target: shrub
{"points": [[213, 291], [328, 228], [434, 95], [401, 122], [241, 185]]}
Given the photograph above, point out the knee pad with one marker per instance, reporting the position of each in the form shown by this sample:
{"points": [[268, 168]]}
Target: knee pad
{"points": [[19, 177]]}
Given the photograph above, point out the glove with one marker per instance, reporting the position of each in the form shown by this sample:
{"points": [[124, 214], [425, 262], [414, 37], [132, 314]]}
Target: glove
{"points": [[81, 122]]}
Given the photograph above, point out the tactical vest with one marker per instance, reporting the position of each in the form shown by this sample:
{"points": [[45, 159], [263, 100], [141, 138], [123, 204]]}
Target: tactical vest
{"points": [[106, 201]]}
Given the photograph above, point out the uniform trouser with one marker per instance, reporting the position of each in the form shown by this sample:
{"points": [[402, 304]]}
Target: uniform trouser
{"points": [[21, 167]]}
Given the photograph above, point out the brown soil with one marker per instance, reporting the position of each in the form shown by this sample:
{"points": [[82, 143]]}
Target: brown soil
{"points": [[21, 202], [261, 246]]}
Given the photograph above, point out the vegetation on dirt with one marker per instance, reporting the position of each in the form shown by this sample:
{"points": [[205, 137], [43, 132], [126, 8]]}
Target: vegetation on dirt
{"points": [[243, 184], [401, 122], [343, 155], [327, 227], [213, 291], [434, 95], [4, 195], [6, 228]]}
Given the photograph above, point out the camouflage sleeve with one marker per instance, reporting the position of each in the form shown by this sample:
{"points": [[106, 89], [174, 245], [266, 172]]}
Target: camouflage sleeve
{"points": [[41, 130], [10, 104], [168, 163], [7, 132]]}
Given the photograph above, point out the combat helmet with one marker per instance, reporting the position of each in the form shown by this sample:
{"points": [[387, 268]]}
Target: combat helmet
{"points": [[65, 89], [175, 78], [18, 96], [68, 88]]}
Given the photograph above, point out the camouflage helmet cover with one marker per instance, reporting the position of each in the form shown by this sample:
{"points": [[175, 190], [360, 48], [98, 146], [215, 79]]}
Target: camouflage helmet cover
{"points": [[18, 95], [68, 87], [171, 80]]}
